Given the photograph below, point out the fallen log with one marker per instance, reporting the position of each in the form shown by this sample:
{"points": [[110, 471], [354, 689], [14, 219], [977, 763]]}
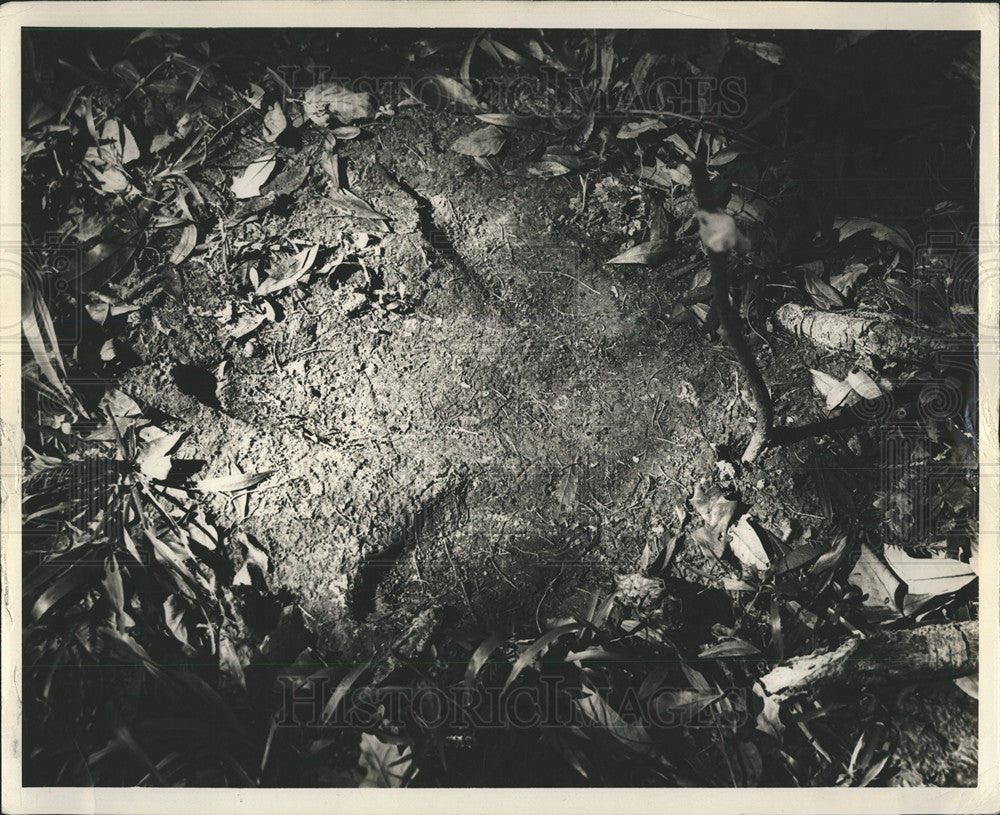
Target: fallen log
{"points": [[929, 652], [866, 332]]}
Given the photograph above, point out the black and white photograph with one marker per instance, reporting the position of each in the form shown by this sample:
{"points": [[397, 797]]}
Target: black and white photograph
{"points": [[596, 398]]}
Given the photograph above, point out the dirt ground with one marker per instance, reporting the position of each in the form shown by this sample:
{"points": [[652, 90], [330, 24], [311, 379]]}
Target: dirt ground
{"points": [[500, 439]]}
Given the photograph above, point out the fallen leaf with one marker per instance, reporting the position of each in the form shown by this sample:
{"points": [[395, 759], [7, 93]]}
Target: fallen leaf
{"points": [[257, 172], [565, 492], [546, 169], [769, 719], [154, 460], [711, 503], [847, 280], [968, 685], [904, 294], [931, 576], [331, 99], [230, 665], [734, 647], [864, 385], [120, 141], [724, 156], [174, 609], [831, 559], [746, 545], [600, 713], [274, 123], [438, 91], [823, 295], [186, 244], [846, 227], [288, 180], [350, 204], [288, 273], [632, 130], [515, 120], [677, 141], [346, 133], [486, 141], [254, 96], [768, 51], [649, 253], [879, 584], [233, 483], [384, 765]]}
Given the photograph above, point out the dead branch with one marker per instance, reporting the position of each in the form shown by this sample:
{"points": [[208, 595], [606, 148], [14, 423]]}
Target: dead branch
{"points": [[865, 333], [936, 651]]}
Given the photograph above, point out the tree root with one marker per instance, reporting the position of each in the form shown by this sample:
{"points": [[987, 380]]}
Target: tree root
{"points": [[929, 652]]}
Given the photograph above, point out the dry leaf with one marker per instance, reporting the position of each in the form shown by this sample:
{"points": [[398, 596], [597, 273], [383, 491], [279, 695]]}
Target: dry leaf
{"points": [[257, 172], [879, 585], [288, 180], [822, 293], [274, 123], [768, 51], [254, 96], [846, 280], [833, 390], [346, 133], [734, 647], [631, 130], [439, 90], [896, 236], [831, 559], [119, 140], [350, 204], [486, 141], [233, 483], [517, 120], [724, 156], [154, 460], [747, 546], [184, 247], [650, 253], [384, 765], [598, 711], [331, 99], [546, 168], [246, 325], [565, 492], [677, 141], [864, 385], [932, 576]]}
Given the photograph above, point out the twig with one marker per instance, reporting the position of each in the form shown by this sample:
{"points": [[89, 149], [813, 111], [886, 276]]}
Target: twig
{"points": [[729, 324]]}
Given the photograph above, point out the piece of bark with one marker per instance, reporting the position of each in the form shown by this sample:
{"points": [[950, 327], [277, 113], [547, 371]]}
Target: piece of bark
{"points": [[929, 652], [865, 332]]}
